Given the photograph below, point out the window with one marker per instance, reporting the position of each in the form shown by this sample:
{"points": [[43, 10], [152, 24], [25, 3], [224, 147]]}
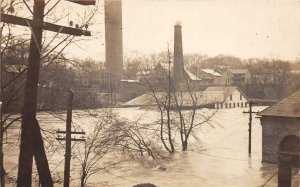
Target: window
{"points": [[221, 105], [246, 104], [242, 104], [225, 105], [230, 97], [241, 96], [229, 105], [238, 104], [233, 105]]}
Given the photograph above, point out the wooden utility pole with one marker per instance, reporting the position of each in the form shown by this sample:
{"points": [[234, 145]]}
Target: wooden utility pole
{"points": [[30, 142], [284, 171], [31, 138], [250, 125], [2, 174], [68, 139]]}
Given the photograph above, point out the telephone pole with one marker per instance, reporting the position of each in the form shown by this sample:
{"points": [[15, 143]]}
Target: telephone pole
{"points": [[31, 138], [68, 139], [250, 112]]}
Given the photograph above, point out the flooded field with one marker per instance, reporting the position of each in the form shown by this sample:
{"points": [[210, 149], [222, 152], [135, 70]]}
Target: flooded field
{"points": [[220, 158]]}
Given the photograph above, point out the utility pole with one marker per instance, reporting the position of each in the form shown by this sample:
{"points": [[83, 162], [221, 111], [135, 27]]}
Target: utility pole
{"points": [[68, 139], [2, 174], [250, 126], [285, 168], [31, 138]]}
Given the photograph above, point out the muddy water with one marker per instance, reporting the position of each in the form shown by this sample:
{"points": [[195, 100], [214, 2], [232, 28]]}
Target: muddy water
{"points": [[224, 162]]}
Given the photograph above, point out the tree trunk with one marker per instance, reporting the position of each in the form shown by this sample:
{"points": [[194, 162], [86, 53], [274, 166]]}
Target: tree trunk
{"points": [[82, 179], [184, 145]]}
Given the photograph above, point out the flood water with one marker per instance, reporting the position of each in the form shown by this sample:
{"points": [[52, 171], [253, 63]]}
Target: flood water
{"points": [[223, 162]]}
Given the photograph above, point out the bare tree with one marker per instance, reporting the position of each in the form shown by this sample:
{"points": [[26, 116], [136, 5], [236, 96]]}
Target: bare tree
{"points": [[171, 99], [111, 140], [43, 53], [94, 155]]}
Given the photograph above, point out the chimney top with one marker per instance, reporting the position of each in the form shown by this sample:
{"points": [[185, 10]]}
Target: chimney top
{"points": [[177, 24]]}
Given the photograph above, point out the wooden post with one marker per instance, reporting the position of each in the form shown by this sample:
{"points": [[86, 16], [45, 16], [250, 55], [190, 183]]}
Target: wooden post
{"points": [[31, 140], [2, 174], [68, 140], [250, 127], [284, 173]]}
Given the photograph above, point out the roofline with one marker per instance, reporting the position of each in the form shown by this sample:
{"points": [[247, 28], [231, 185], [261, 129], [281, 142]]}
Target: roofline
{"points": [[278, 116], [242, 93], [236, 88], [259, 114]]}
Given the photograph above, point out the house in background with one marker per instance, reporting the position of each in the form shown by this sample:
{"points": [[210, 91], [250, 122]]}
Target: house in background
{"points": [[162, 71], [229, 97], [236, 77], [209, 76], [212, 97]]}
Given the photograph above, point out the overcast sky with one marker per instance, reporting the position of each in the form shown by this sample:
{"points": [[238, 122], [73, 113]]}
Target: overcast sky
{"points": [[261, 28]]}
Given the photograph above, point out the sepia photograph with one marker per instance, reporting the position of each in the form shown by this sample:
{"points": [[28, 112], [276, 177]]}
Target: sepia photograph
{"points": [[150, 93]]}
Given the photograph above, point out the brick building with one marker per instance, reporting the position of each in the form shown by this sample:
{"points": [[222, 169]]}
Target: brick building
{"points": [[236, 77], [281, 130]]}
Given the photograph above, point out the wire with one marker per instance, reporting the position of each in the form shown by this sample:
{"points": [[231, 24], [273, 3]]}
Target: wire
{"points": [[28, 7], [269, 179], [122, 177], [52, 7], [226, 158]]}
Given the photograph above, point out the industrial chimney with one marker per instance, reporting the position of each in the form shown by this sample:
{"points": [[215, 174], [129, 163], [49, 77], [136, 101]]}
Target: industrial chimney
{"points": [[113, 42], [178, 68]]}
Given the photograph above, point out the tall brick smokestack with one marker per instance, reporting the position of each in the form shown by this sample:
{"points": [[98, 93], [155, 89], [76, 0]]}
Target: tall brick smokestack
{"points": [[178, 71], [114, 41]]}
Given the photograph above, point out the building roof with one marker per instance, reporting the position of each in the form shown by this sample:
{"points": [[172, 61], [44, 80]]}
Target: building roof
{"points": [[186, 99], [221, 88], [129, 80], [166, 67], [288, 107], [225, 90], [212, 72], [191, 75], [238, 71]]}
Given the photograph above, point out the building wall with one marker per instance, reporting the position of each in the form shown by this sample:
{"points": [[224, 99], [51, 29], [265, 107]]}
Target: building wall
{"points": [[131, 90], [218, 80], [234, 100], [274, 129], [227, 78], [230, 78]]}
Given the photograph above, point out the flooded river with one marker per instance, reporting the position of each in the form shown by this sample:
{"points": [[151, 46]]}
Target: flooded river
{"points": [[223, 162]]}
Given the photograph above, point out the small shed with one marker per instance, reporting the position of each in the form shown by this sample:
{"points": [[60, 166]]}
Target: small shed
{"points": [[281, 130]]}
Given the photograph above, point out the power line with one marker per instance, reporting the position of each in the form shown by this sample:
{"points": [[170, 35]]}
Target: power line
{"points": [[122, 177]]}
